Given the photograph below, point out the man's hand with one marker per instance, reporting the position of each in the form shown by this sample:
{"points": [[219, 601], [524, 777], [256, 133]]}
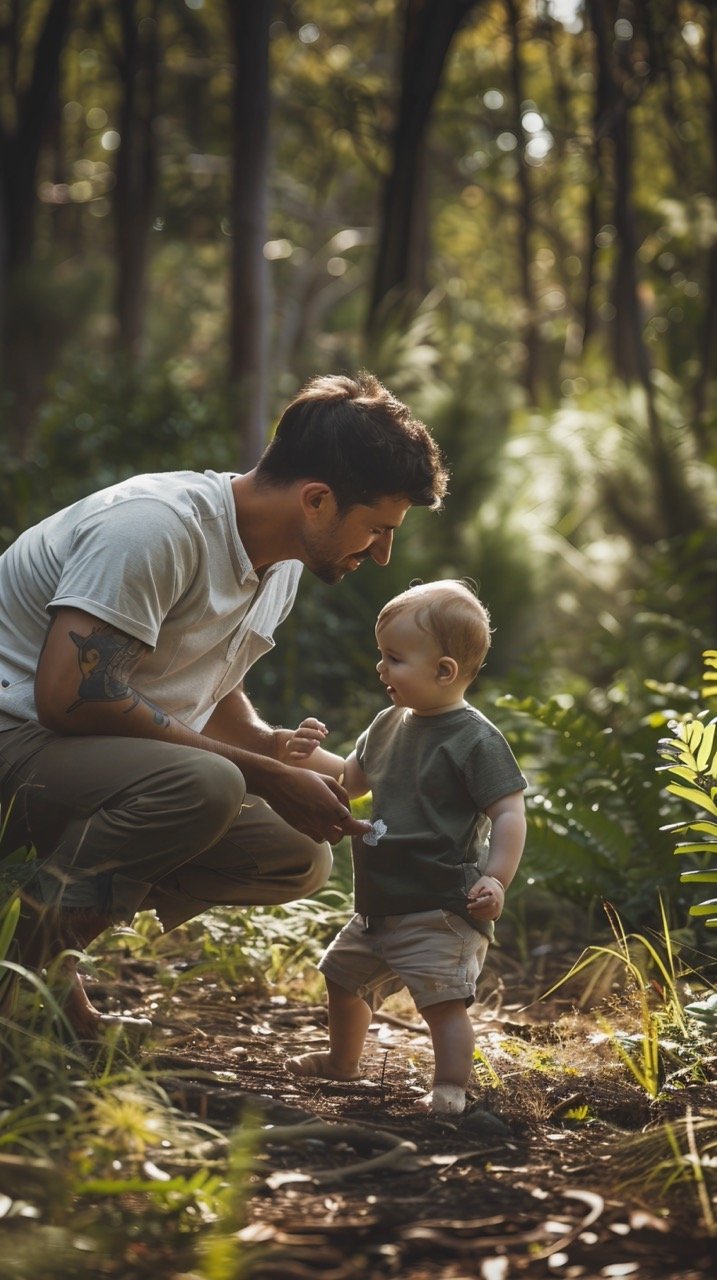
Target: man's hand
{"points": [[83, 686], [486, 898], [314, 804]]}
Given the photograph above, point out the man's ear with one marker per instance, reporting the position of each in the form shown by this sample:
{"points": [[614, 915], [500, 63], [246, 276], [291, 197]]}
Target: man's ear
{"points": [[316, 498], [447, 670]]}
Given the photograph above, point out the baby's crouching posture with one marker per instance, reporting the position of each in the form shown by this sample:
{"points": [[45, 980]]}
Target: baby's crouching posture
{"points": [[447, 838]]}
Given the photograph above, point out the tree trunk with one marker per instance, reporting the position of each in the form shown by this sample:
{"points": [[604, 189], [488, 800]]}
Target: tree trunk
{"points": [[598, 181], [525, 212], [249, 302], [400, 270], [709, 322], [613, 125], [136, 171], [21, 150], [19, 158], [631, 357]]}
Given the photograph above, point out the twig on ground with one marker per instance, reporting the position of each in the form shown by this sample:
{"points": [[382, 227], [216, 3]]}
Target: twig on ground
{"points": [[398, 1150]]}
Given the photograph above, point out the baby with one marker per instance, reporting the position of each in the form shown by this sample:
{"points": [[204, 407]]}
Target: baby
{"points": [[428, 883]]}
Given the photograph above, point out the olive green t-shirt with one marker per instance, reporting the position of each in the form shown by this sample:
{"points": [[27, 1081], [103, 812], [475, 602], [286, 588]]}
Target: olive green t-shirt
{"points": [[431, 778]]}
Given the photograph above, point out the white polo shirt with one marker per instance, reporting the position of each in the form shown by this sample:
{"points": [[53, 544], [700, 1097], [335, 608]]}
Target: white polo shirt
{"points": [[159, 557]]}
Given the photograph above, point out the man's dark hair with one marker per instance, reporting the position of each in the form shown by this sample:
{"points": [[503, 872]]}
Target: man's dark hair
{"points": [[357, 438]]}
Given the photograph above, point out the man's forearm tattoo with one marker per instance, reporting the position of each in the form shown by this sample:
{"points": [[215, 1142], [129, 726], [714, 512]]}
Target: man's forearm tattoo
{"points": [[106, 660]]}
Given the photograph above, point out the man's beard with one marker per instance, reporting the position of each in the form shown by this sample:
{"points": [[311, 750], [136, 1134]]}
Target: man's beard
{"points": [[330, 571], [326, 570]]}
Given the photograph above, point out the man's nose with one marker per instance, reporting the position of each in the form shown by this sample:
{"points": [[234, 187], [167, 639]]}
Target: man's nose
{"points": [[380, 550]]}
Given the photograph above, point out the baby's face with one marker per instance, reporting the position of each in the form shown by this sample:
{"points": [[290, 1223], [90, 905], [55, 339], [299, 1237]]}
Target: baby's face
{"points": [[409, 666]]}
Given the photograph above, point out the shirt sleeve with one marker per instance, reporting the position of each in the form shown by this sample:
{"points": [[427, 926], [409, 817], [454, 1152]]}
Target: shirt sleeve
{"points": [[127, 565], [361, 748], [492, 771]]}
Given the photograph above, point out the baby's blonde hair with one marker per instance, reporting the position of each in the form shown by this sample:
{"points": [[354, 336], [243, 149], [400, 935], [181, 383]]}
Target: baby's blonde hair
{"points": [[452, 614]]}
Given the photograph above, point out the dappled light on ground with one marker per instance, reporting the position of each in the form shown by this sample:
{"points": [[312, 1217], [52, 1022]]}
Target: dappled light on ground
{"points": [[546, 1174]]}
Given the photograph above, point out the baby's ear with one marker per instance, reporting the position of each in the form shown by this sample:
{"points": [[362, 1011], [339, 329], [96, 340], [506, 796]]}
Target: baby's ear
{"points": [[447, 670]]}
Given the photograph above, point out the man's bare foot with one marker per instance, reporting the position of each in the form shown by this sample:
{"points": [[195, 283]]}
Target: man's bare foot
{"points": [[77, 1007], [444, 1100], [41, 937], [321, 1065], [87, 1022]]}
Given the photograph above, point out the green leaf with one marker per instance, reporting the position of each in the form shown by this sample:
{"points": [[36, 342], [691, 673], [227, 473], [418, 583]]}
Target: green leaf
{"points": [[704, 908], [698, 798], [704, 1010], [671, 747], [710, 828], [681, 771], [8, 924], [699, 877], [703, 846], [704, 752], [693, 733]]}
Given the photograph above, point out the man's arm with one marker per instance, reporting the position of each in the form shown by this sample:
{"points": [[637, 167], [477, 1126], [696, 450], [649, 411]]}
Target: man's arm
{"points": [[301, 748], [83, 686], [235, 722]]}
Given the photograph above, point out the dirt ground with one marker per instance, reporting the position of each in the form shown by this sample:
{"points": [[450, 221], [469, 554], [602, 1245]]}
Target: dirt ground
{"points": [[552, 1171]]}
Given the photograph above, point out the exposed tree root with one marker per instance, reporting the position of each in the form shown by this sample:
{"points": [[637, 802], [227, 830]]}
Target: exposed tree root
{"points": [[397, 1150]]}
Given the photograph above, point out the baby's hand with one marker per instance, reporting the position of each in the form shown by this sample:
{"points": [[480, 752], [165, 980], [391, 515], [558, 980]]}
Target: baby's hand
{"points": [[304, 740], [486, 898]]}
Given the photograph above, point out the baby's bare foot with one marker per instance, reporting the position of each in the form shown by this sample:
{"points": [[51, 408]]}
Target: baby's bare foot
{"points": [[321, 1065], [444, 1100]]}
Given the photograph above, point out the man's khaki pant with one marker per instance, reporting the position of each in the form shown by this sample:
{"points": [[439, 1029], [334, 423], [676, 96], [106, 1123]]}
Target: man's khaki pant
{"points": [[123, 824]]}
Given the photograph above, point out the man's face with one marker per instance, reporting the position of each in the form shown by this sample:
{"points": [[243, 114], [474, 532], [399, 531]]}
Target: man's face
{"points": [[335, 545]]}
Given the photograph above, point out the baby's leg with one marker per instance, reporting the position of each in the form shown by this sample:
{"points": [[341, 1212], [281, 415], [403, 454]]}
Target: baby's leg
{"points": [[349, 1020], [453, 1043]]}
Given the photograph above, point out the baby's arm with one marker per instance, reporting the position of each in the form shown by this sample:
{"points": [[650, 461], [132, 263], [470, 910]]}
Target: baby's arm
{"points": [[507, 840], [303, 751]]}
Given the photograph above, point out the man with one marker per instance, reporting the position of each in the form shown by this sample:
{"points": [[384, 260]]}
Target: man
{"points": [[130, 757]]}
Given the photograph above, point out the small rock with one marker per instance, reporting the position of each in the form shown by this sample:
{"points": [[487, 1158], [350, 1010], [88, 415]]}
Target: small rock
{"points": [[484, 1124]]}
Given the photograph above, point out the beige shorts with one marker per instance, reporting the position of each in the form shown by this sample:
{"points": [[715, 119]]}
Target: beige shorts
{"points": [[436, 954]]}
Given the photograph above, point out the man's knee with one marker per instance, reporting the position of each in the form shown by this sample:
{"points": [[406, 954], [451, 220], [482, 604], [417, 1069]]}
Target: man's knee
{"points": [[215, 788], [314, 869]]}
